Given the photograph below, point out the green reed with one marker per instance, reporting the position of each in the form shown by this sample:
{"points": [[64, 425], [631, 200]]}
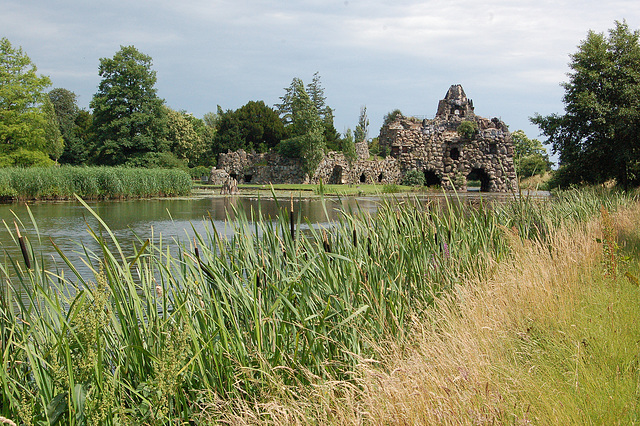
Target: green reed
{"points": [[155, 335], [91, 182]]}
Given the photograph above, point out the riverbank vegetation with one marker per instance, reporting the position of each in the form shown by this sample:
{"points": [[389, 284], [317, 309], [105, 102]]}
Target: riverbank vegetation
{"points": [[60, 183], [438, 312]]}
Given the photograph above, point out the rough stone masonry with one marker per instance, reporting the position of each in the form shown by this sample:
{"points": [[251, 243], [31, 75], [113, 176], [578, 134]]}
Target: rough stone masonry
{"points": [[434, 147]]}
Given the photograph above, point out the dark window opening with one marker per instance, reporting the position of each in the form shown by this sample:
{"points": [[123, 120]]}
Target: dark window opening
{"points": [[233, 176], [493, 148], [478, 177], [380, 177], [363, 178], [431, 178], [247, 178], [454, 154], [395, 150]]}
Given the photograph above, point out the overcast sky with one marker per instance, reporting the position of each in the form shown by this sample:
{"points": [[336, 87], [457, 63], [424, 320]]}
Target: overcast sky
{"points": [[509, 55]]}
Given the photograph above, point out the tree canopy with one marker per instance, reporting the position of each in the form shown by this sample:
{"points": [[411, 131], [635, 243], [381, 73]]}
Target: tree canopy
{"points": [[28, 130], [304, 126], [597, 136], [252, 127], [529, 156], [129, 120]]}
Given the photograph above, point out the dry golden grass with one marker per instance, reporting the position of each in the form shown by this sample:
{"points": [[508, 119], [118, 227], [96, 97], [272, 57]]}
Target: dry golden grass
{"points": [[519, 348]]}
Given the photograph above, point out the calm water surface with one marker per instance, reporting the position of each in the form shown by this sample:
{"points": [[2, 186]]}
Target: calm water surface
{"points": [[66, 223], [172, 220]]}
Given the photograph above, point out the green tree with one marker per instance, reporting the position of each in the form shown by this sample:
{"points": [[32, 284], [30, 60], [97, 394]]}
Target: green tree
{"points": [[129, 121], [54, 142], [597, 136], [77, 148], [362, 129], [529, 156], [183, 140], [66, 108], [348, 146], [305, 127], [27, 120]]}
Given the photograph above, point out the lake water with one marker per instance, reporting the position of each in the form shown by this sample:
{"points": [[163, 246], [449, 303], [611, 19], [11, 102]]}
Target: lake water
{"points": [[66, 223]]}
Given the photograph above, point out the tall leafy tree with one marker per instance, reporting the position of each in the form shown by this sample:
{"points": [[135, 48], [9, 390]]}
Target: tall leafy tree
{"points": [[252, 127], [304, 126], [26, 115], [362, 129], [597, 136], [129, 120], [66, 111], [183, 140]]}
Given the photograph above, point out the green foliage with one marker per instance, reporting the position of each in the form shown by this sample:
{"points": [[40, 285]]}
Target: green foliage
{"points": [[529, 156], [199, 171], [362, 129], [163, 334], [184, 141], [252, 127], [597, 135], [128, 117], [413, 177], [25, 158], [26, 115], [92, 182], [391, 117], [467, 129], [348, 146], [305, 127]]}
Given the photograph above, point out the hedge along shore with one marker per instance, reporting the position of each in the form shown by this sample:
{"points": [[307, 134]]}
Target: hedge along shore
{"points": [[551, 337], [90, 183]]}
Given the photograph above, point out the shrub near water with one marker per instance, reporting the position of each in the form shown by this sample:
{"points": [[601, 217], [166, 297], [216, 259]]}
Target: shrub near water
{"points": [[92, 182]]}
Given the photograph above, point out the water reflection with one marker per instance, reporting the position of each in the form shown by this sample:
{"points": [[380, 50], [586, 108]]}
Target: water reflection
{"points": [[66, 223]]}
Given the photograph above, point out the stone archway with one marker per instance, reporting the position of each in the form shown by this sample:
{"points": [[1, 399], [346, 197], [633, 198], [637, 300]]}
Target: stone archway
{"points": [[431, 178], [336, 175], [363, 178], [479, 175]]}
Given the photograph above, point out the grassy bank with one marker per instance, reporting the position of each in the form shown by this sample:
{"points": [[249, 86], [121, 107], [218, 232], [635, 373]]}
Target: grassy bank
{"points": [[269, 326], [53, 183]]}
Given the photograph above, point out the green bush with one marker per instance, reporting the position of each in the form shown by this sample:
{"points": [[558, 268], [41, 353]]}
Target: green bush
{"points": [[413, 178], [467, 129]]}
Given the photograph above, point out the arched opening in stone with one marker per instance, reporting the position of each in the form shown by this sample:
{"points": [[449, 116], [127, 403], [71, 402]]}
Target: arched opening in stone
{"points": [[380, 177], [247, 178], [363, 178], [336, 175], [454, 154], [431, 178], [233, 176], [479, 179]]}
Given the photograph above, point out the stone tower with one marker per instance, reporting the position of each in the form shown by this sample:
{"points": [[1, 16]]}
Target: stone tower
{"points": [[455, 104]]}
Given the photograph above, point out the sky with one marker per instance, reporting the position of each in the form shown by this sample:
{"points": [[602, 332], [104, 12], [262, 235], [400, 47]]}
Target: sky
{"points": [[510, 56]]}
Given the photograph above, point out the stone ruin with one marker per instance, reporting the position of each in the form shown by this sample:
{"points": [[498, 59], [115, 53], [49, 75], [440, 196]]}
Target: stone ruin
{"points": [[433, 147], [448, 158]]}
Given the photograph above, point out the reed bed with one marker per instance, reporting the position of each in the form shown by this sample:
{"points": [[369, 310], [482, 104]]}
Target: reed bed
{"points": [[91, 182], [164, 337]]}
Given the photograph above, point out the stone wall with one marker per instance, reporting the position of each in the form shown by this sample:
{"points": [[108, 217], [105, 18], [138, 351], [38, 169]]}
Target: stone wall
{"points": [[433, 147], [268, 168]]}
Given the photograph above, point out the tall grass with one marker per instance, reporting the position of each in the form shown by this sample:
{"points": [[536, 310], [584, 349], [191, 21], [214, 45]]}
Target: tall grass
{"points": [[164, 336], [91, 182]]}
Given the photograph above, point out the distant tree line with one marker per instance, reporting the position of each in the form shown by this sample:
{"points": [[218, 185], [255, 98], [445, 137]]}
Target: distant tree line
{"points": [[129, 124]]}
